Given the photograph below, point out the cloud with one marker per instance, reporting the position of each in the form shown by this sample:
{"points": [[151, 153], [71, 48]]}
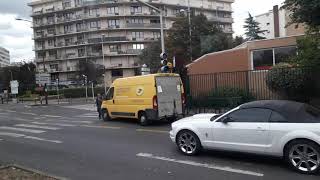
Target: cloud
{"points": [[18, 7], [16, 36]]}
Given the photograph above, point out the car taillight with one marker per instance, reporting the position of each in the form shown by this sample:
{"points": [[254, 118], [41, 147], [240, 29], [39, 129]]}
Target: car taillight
{"points": [[155, 102], [183, 98]]}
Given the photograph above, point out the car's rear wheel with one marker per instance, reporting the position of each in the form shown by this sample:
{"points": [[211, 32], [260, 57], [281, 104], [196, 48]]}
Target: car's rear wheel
{"points": [[143, 120], [105, 115], [188, 143], [303, 156]]}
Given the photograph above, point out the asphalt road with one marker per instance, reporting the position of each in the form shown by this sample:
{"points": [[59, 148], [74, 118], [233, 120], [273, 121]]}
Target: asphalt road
{"points": [[71, 142]]}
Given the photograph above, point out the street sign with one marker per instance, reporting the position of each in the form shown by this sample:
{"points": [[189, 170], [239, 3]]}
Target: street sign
{"points": [[43, 78], [14, 87]]}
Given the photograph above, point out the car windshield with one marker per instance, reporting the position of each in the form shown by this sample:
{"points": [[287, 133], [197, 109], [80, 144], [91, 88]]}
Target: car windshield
{"points": [[216, 116]]}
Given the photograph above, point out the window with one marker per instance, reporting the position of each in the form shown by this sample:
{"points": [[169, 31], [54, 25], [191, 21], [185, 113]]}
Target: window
{"points": [[52, 53], [54, 66], [81, 52], [135, 9], [222, 26], [68, 41], [51, 31], [138, 46], [252, 115], [262, 59], [117, 72], [277, 118], [136, 21], [50, 19], [66, 3], [51, 42], [176, 11], [137, 34], [154, 21], [284, 53], [68, 16], [68, 28], [156, 35], [94, 24], [93, 11], [110, 93], [80, 26], [78, 2], [113, 10], [114, 48], [113, 23]]}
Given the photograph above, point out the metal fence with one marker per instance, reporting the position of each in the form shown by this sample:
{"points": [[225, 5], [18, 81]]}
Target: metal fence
{"points": [[218, 92]]}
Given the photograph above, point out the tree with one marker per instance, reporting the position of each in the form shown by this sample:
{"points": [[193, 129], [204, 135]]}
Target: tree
{"points": [[238, 40], [91, 70], [253, 30], [151, 56], [178, 44], [307, 12]]}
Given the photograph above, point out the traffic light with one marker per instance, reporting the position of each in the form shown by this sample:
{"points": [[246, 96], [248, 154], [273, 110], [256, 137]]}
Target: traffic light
{"points": [[165, 69]]}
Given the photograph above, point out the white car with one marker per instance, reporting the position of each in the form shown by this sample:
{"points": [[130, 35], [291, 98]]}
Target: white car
{"points": [[276, 128]]}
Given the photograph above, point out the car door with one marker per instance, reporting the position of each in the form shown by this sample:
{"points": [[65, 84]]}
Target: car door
{"points": [[244, 130], [109, 101]]}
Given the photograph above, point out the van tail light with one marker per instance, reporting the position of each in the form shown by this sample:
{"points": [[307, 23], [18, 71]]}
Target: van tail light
{"points": [[155, 102], [183, 98]]}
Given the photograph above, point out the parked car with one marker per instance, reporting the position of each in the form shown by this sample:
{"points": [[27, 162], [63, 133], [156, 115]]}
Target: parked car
{"points": [[277, 128], [149, 97]]}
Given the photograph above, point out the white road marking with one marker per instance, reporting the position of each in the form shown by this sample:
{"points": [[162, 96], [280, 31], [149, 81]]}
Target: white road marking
{"points": [[20, 119], [209, 166], [22, 129], [51, 116], [10, 111], [37, 127], [81, 122], [104, 127], [1, 139], [41, 139], [55, 124], [33, 114], [11, 134]]}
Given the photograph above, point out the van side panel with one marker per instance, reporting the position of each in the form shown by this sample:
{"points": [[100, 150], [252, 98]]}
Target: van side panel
{"points": [[134, 95]]}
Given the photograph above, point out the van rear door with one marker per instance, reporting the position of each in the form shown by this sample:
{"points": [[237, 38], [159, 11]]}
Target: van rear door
{"points": [[169, 95]]}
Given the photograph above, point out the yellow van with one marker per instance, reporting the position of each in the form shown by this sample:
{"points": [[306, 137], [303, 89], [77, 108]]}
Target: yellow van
{"points": [[146, 98]]}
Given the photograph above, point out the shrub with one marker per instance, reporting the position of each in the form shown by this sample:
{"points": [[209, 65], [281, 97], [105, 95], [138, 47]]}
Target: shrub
{"points": [[292, 83]]}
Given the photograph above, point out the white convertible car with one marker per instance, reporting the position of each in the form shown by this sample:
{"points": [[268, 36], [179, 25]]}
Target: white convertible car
{"points": [[276, 128]]}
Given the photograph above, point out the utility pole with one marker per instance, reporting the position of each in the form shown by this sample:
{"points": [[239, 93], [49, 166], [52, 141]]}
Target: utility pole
{"points": [[161, 22], [85, 79], [190, 30], [105, 86]]}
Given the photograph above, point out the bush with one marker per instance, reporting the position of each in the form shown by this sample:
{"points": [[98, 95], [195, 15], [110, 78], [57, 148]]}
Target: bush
{"points": [[293, 83], [77, 92], [224, 97]]}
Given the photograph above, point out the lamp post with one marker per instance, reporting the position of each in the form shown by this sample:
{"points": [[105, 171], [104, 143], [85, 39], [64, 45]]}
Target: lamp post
{"points": [[104, 82], [190, 29], [85, 79], [161, 22], [57, 81]]}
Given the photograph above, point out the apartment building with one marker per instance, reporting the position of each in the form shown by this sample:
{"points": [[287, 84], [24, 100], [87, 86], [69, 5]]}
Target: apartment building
{"points": [[4, 57], [69, 31], [275, 23]]}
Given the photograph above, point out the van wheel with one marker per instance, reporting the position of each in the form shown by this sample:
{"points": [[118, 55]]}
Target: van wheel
{"points": [[143, 120], [105, 115]]}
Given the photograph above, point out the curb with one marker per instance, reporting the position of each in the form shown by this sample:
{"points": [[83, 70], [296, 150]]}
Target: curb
{"points": [[32, 171]]}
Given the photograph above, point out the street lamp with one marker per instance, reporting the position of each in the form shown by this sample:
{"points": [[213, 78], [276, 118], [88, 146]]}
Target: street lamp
{"points": [[104, 82], [85, 79], [161, 22], [190, 30]]}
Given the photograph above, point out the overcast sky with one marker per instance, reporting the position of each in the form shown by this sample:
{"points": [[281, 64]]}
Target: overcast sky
{"points": [[16, 36]]}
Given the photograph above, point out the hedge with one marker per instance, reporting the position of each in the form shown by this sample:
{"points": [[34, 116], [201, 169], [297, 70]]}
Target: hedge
{"points": [[77, 92]]}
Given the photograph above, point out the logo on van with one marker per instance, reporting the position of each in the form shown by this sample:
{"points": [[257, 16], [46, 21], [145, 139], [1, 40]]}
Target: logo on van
{"points": [[139, 91]]}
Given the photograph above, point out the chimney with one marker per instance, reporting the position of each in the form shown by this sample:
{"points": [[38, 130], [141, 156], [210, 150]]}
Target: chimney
{"points": [[276, 21]]}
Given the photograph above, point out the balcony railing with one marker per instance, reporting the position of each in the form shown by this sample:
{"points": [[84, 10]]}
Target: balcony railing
{"points": [[107, 39], [221, 19], [144, 25]]}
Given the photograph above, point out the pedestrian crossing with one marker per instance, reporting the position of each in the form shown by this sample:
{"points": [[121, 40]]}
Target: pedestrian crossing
{"points": [[88, 107], [88, 115]]}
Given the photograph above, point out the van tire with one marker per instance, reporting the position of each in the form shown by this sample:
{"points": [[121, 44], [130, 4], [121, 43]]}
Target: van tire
{"points": [[143, 120], [105, 115]]}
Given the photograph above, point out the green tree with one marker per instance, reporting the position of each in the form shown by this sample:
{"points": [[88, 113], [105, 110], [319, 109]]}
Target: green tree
{"points": [[91, 70], [238, 40], [307, 12], [151, 56], [253, 31]]}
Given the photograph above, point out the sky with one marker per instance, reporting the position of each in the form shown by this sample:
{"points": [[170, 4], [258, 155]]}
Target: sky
{"points": [[16, 36]]}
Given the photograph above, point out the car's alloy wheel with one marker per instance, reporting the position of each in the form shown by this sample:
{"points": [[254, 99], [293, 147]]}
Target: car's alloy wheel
{"points": [[188, 143], [105, 115], [143, 119], [304, 156]]}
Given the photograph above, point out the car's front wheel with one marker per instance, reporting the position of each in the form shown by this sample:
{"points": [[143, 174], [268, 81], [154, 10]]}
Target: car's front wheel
{"points": [[303, 156], [105, 115], [188, 143]]}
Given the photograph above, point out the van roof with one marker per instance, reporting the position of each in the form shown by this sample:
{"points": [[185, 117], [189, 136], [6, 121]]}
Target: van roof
{"points": [[144, 77]]}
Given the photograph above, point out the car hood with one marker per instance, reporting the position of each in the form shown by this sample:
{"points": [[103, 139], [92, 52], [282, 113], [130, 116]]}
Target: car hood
{"points": [[196, 118]]}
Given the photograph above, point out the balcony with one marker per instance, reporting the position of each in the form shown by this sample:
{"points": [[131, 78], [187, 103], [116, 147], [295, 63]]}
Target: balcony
{"points": [[107, 39], [221, 19], [144, 25], [133, 51]]}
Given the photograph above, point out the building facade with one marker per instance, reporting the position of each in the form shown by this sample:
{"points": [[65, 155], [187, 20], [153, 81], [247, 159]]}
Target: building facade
{"points": [[275, 23], [4, 57], [69, 31]]}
